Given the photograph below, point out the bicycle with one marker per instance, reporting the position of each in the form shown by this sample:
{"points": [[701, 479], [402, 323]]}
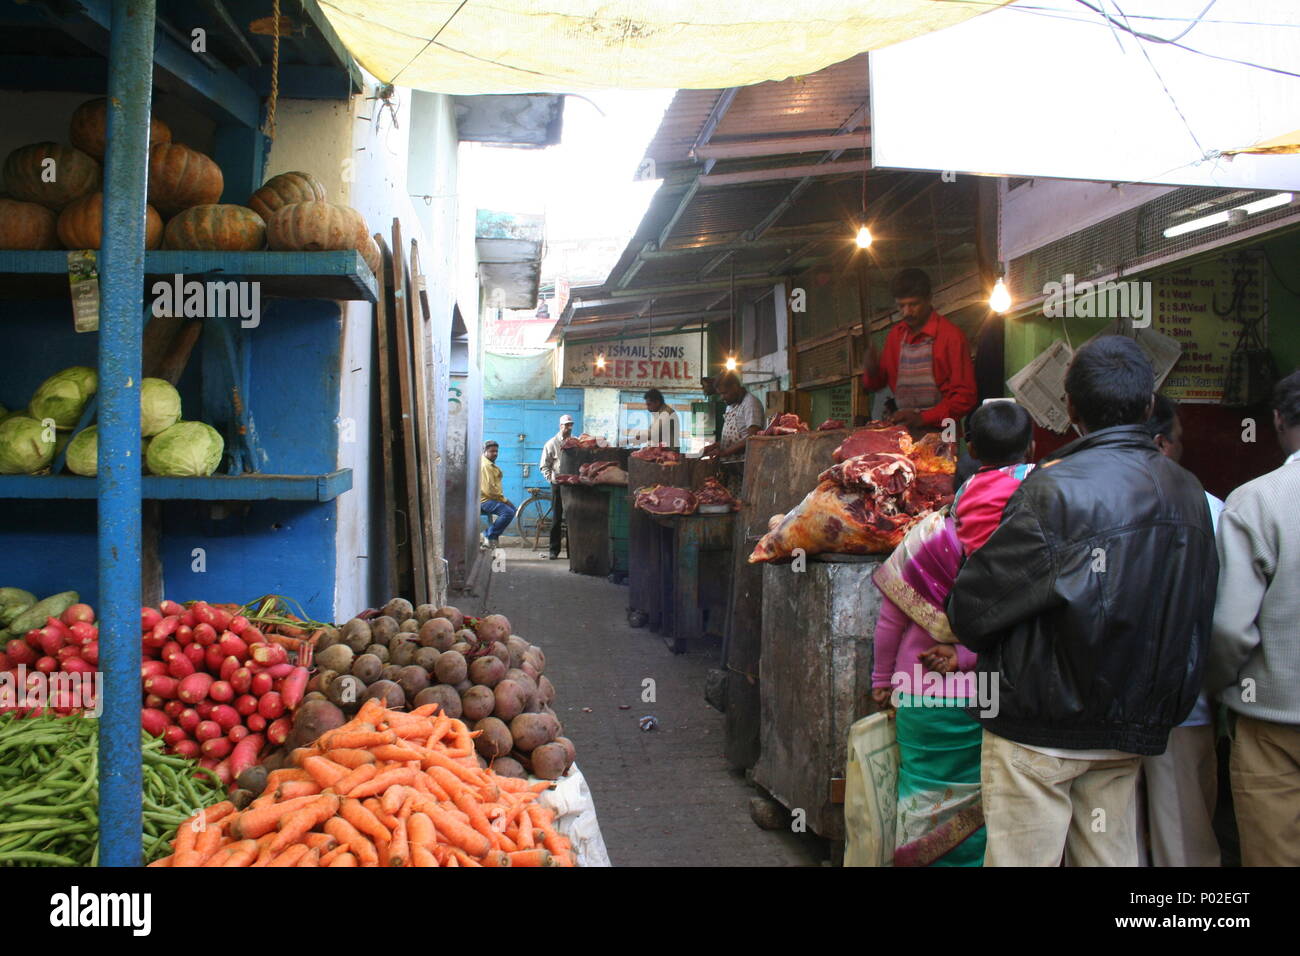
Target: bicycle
{"points": [[534, 514]]}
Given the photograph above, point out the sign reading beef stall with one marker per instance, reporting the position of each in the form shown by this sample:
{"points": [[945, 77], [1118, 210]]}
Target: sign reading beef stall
{"points": [[664, 362]]}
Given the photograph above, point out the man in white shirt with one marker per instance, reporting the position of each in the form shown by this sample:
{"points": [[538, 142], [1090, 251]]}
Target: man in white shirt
{"points": [[550, 465], [744, 417], [664, 432]]}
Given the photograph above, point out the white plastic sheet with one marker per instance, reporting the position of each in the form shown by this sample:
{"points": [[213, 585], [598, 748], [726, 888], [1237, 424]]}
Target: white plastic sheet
{"points": [[575, 817]]}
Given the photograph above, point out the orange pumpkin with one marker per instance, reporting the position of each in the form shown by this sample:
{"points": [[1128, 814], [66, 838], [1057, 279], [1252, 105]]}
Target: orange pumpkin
{"points": [[81, 225], [370, 252], [71, 174], [283, 190], [26, 225], [217, 227], [180, 177], [315, 227], [89, 130]]}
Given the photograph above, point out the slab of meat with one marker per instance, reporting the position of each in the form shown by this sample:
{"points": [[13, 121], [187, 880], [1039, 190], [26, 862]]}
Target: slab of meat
{"points": [[880, 473], [833, 519], [568, 480], [874, 437], [787, 424], [929, 492], [662, 456], [583, 441], [665, 500], [830, 425], [602, 473], [714, 493], [932, 455]]}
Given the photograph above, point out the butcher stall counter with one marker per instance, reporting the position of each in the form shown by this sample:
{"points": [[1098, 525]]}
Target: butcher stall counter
{"points": [[694, 562], [587, 510]]}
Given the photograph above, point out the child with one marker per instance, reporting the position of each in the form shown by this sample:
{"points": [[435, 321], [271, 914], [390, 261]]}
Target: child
{"points": [[940, 820]]}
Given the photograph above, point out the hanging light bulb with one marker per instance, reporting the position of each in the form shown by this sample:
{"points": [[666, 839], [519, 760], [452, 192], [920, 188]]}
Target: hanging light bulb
{"points": [[863, 238], [600, 361], [731, 363], [1000, 297]]}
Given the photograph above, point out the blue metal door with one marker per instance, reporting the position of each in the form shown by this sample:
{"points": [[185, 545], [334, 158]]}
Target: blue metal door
{"points": [[522, 428]]}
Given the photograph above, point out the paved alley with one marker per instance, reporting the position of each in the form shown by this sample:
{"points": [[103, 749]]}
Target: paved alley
{"points": [[664, 797]]}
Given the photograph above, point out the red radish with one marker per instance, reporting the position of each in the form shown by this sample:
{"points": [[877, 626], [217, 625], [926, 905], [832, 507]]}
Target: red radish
{"points": [[174, 735], [79, 613], [271, 705], [51, 641], [166, 627], [82, 633], [207, 763], [75, 665], [154, 721], [162, 685], [225, 716], [278, 731], [186, 748], [66, 651], [246, 704], [47, 665], [188, 619], [59, 627], [221, 619], [203, 613], [278, 672], [33, 638], [228, 667], [90, 652], [204, 707], [237, 733], [261, 685], [154, 702], [204, 634], [269, 654], [149, 619], [256, 723], [4, 662], [212, 658], [241, 680], [232, 644], [180, 666], [189, 719], [245, 754], [173, 708], [171, 609], [20, 652], [237, 624], [206, 730], [295, 686], [194, 688], [222, 770], [184, 635], [169, 650], [252, 635], [196, 654], [216, 747], [150, 668], [221, 692]]}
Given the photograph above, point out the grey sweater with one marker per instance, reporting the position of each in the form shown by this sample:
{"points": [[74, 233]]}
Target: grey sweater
{"points": [[1255, 647]]}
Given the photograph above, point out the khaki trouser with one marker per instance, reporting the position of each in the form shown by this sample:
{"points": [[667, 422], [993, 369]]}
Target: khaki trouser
{"points": [[1181, 789], [1040, 809], [1265, 768]]}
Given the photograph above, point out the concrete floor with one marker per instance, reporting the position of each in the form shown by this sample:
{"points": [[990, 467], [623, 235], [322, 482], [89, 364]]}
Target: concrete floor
{"points": [[664, 797]]}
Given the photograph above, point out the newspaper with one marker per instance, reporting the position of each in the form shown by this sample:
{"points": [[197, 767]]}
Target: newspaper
{"points": [[1040, 387], [1161, 350]]}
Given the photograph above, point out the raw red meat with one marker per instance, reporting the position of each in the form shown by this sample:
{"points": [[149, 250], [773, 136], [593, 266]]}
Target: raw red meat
{"points": [[665, 500], [933, 455], [602, 473], [583, 441], [830, 425], [714, 493], [929, 492], [787, 424], [881, 473], [874, 437], [662, 456], [568, 480], [833, 519]]}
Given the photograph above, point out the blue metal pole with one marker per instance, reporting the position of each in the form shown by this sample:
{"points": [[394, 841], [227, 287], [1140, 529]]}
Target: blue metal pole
{"points": [[126, 168]]}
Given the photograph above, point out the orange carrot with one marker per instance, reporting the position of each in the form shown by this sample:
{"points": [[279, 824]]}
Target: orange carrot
{"points": [[420, 831], [343, 859], [477, 818], [374, 806], [536, 857], [355, 778], [310, 858], [421, 856], [352, 838], [464, 858], [294, 825], [381, 782], [277, 777], [209, 840], [364, 820], [334, 852], [290, 856], [558, 845], [457, 833], [525, 838], [319, 841], [297, 788], [349, 757], [398, 853], [251, 824], [359, 739], [325, 772]]}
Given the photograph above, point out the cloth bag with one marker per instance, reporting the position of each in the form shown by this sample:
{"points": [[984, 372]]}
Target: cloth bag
{"points": [[871, 792]]}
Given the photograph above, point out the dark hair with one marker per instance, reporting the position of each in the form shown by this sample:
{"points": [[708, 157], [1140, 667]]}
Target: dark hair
{"points": [[1001, 433], [966, 466], [490, 444], [726, 380], [910, 283], [1110, 382], [1163, 415], [654, 395], [1286, 399]]}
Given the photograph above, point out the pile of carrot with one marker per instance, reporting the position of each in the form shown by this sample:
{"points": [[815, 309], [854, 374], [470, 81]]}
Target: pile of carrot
{"points": [[385, 789]]}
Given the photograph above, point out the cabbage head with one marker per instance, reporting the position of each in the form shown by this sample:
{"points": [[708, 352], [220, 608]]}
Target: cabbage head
{"points": [[160, 406], [186, 449], [24, 448], [63, 396], [83, 452]]}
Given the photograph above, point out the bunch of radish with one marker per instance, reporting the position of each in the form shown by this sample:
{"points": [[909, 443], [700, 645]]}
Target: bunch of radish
{"points": [[68, 644], [215, 688]]}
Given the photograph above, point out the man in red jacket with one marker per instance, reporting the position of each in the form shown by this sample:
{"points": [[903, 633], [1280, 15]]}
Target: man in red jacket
{"points": [[925, 362]]}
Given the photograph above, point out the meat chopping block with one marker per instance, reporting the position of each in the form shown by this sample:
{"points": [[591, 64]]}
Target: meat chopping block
{"points": [[815, 681], [586, 515]]}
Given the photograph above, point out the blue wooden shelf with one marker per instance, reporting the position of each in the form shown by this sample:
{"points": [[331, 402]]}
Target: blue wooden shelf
{"points": [[213, 488], [293, 275]]}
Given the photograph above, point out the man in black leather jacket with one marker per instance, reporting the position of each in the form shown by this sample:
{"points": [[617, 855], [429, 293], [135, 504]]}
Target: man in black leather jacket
{"points": [[1090, 608]]}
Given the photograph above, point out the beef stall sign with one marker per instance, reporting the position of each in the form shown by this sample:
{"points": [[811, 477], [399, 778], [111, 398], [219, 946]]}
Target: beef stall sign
{"points": [[664, 362]]}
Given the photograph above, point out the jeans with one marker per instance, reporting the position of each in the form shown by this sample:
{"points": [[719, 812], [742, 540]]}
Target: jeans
{"points": [[557, 519], [503, 511]]}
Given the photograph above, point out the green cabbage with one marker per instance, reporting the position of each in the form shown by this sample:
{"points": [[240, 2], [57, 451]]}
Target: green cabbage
{"points": [[24, 449], [160, 406], [63, 396], [83, 452], [186, 449]]}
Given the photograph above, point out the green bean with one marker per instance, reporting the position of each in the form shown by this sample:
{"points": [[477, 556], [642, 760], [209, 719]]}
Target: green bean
{"points": [[52, 859]]}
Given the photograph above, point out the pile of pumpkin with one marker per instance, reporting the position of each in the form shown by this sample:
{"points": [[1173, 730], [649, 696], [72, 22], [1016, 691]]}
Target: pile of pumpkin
{"points": [[55, 200]]}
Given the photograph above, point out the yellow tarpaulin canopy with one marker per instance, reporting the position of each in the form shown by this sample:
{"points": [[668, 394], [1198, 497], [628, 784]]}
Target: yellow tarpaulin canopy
{"points": [[1286, 143], [514, 46]]}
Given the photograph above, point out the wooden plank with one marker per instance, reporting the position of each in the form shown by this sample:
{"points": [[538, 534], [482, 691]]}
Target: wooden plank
{"points": [[410, 448], [430, 487], [390, 582]]}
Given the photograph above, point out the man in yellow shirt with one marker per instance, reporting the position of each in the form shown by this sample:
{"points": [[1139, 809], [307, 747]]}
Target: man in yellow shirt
{"points": [[492, 499]]}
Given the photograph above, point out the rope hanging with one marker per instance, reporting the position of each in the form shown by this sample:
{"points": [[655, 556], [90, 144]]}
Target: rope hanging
{"points": [[269, 127]]}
